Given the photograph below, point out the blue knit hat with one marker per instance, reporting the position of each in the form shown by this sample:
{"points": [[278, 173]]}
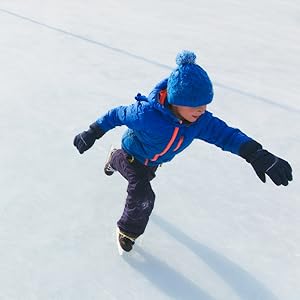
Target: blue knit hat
{"points": [[189, 84]]}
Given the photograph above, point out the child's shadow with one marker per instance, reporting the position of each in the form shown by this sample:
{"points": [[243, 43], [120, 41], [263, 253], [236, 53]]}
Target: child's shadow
{"points": [[241, 282], [177, 286], [164, 277]]}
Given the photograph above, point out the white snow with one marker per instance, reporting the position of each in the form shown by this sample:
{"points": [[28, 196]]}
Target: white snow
{"points": [[217, 232]]}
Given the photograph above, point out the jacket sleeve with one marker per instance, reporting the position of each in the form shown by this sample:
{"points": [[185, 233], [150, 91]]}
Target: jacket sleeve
{"points": [[130, 115], [215, 131]]}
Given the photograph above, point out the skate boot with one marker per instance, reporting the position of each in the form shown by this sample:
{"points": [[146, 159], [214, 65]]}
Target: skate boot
{"points": [[108, 169], [126, 242]]}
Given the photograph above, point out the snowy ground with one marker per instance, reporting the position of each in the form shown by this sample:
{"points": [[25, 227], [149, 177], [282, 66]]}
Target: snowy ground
{"points": [[217, 232]]}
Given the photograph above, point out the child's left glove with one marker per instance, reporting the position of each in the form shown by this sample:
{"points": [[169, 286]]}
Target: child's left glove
{"points": [[85, 140], [264, 162]]}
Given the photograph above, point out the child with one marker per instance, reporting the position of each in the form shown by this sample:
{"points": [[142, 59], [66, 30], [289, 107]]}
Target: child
{"points": [[162, 125]]}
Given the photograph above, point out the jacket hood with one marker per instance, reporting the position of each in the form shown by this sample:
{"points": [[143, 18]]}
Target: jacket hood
{"points": [[158, 100], [155, 101]]}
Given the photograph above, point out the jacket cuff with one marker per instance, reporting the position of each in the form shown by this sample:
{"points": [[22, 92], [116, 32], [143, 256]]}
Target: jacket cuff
{"points": [[248, 150], [97, 131]]}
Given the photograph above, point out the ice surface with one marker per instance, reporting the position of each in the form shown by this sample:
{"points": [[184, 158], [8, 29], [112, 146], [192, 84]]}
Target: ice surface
{"points": [[217, 232]]}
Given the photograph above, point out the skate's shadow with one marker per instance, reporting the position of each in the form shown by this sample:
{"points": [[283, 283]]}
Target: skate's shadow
{"points": [[241, 282], [164, 277]]}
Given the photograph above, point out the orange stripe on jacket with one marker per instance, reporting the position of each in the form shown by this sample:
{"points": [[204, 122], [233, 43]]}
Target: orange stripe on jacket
{"points": [[174, 135], [162, 100], [179, 144]]}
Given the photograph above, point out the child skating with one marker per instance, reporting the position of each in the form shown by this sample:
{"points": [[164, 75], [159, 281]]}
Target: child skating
{"points": [[162, 125]]}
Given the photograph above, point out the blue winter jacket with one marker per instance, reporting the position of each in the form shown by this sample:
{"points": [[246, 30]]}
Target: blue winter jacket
{"points": [[155, 135]]}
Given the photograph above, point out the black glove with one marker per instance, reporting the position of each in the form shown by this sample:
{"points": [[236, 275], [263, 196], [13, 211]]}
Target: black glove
{"points": [[85, 140], [265, 162]]}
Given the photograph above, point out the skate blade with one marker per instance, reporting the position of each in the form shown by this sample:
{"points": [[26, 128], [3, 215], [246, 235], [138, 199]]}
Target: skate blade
{"points": [[120, 250]]}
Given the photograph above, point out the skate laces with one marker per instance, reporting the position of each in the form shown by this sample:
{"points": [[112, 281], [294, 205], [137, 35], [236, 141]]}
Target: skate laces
{"points": [[125, 236]]}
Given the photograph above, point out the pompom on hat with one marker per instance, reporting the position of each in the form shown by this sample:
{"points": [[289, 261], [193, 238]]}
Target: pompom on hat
{"points": [[189, 85]]}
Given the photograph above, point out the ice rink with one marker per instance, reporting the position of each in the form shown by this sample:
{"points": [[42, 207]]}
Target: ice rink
{"points": [[217, 232]]}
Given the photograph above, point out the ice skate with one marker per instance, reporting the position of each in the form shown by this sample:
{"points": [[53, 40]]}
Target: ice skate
{"points": [[108, 169], [124, 241]]}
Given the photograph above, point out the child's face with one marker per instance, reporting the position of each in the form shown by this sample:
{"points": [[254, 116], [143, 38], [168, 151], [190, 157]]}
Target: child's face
{"points": [[190, 114]]}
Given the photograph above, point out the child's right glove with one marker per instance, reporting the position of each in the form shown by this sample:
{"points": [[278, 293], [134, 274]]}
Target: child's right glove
{"points": [[85, 140], [265, 162]]}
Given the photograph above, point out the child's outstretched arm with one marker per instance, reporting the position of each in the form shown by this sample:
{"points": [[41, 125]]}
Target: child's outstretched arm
{"points": [[217, 132], [264, 162], [122, 115]]}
